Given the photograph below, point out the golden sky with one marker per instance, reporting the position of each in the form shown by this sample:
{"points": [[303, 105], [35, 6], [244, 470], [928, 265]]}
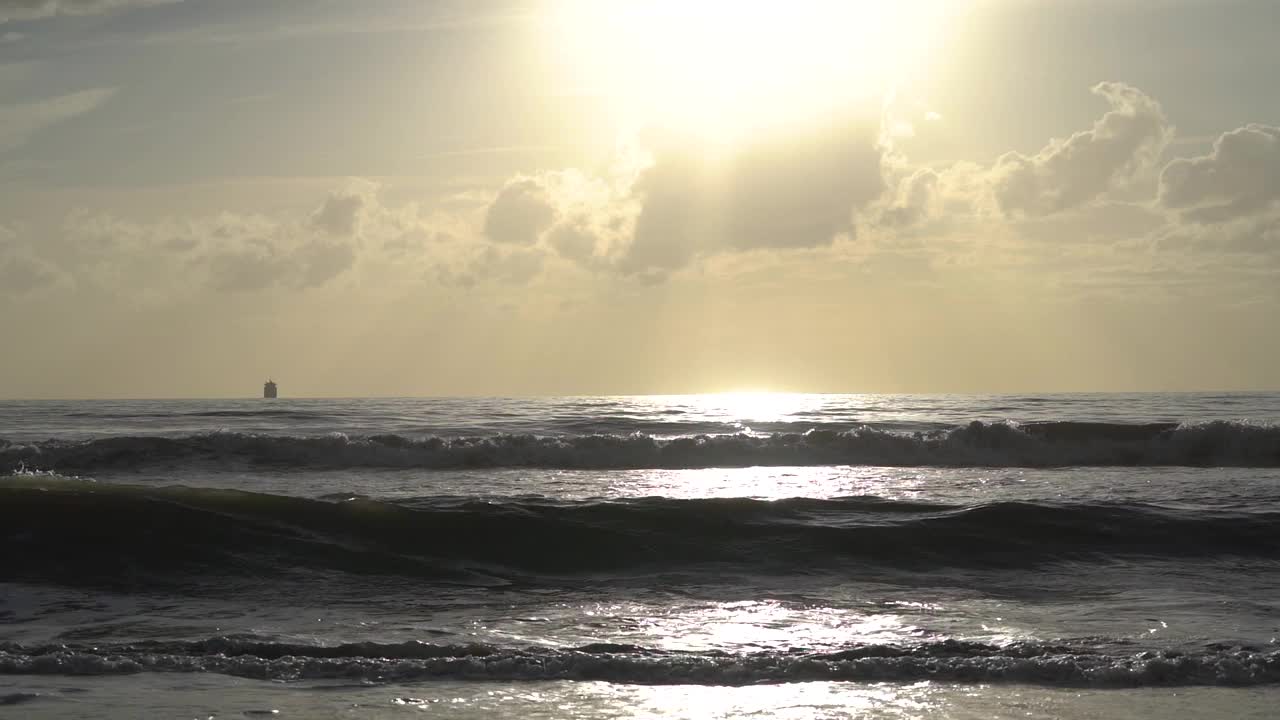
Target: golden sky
{"points": [[403, 197]]}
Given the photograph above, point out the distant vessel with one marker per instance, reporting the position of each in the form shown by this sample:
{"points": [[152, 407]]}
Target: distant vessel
{"points": [[269, 389]]}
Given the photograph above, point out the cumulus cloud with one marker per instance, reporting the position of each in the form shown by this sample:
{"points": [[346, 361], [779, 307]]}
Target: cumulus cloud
{"points": [[320, 261], [514, 265], [260, 263], [472, 264], [783, 191], [248, 265], [1239, 177], [1120, 151], [672, 198], [249, 254], [575, 239], [230, 253], [34, 9], [340, 213], [913, 199], [18, 122], [1065, 174], [520, 213], [582, 218]]}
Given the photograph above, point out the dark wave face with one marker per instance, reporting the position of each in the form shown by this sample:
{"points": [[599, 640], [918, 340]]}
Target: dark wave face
{"points": [[1058, 664], [76, 532], [1048, 444]]}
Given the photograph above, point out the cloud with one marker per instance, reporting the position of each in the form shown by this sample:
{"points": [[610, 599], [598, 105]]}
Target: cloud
{"points": [[33, 9], [252, 254], [781, 192], [914, 199], [320, 261], [165, 259], [254, 264], [349, 239], [473, 264], [1239, 177], [260, 263], [575, 239], [519, 214], [513, 265], [1257, 236], [668, 198], [340, 213], [18, 122], [1065, 174], [1120, 151]]}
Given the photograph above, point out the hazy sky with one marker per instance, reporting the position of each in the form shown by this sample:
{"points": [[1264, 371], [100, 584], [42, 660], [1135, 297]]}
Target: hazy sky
{"points": [[416, 197]]}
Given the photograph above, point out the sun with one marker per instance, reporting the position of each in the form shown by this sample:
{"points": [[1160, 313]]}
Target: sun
{"points": [[725, 67]]}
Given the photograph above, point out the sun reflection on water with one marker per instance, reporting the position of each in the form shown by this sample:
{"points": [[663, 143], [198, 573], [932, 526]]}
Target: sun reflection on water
{"points": [[798, 700], [756, 406], [770, 624], [772, 483], [742, 626]]}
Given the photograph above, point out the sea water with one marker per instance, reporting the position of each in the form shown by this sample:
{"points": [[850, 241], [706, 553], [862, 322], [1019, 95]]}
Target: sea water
{"points": [[686, 556]]}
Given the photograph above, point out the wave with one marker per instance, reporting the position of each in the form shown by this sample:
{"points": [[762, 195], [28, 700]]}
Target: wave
{"points": [[180, 415], [77, 532], [1047, 444], [1052, 664]]}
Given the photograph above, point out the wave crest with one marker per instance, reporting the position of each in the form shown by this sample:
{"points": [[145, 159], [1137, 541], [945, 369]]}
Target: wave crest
{"points": [[1050, 444], [945, 661]]}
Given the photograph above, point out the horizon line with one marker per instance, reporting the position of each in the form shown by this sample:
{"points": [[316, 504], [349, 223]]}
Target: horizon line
{"points": [[531, 396]]}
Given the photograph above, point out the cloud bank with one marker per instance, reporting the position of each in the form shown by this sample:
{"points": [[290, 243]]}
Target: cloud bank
{"points": [[668, 202]]}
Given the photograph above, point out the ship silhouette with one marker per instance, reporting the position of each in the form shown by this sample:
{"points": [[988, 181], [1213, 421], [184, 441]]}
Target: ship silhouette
{"points": [[269, 389]]}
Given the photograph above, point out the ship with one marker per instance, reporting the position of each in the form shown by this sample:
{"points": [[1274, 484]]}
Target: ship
{"points": [[269, 389]]}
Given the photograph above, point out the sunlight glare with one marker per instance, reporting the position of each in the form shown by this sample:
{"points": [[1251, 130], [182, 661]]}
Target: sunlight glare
{"points": [[755, 406], [726, 67]]}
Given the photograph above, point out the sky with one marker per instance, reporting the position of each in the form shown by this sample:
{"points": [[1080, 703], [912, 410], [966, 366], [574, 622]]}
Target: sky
{"points": [[528, 197]]}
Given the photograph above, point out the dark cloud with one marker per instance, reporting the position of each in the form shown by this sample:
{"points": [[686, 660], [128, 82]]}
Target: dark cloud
{"points": [[340, 214], [782, 191], [667, 231], [520, 213], [574, 240], [801, 193]]}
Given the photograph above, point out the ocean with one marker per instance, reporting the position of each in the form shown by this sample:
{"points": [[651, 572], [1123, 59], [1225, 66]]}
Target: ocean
{"points": [[751, 555]]}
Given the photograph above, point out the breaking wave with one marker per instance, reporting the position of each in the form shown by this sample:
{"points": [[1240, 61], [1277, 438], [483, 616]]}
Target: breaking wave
{"points": [[945, 661], [1046, 444]]}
